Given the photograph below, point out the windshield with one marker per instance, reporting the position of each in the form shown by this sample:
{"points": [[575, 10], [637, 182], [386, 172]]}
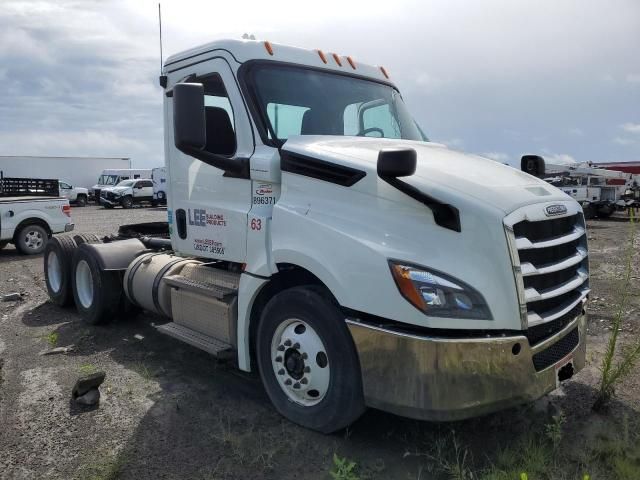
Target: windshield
{"points": [[302, 101], [108, 180], [126, 183]]}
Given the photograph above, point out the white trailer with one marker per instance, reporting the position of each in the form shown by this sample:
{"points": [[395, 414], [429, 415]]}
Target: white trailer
{"points": [[335, 250], [77, 171]]}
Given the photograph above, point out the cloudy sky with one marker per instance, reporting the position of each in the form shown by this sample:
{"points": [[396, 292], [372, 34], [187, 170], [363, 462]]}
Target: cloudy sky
{"points": [[495, 77]]}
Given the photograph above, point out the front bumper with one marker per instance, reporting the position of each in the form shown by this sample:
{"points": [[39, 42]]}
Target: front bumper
{"points": [[106, 201], [443, 379]]}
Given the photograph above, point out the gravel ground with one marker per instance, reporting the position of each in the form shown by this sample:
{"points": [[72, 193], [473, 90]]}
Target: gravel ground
{"points": [[172, 411]]}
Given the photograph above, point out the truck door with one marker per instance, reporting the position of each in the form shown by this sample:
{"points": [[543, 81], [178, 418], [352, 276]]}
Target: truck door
{"points": [[208, 208], [65, 190]]}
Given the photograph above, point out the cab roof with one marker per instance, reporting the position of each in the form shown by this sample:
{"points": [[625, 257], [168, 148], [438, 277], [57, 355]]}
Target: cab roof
{"points": [[245, 50]]}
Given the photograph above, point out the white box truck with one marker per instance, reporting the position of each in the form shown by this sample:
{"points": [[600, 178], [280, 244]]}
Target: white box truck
{"points": [[316, 237]]}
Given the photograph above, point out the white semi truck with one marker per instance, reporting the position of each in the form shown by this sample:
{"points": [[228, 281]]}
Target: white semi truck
{"points": [[318, 238]]}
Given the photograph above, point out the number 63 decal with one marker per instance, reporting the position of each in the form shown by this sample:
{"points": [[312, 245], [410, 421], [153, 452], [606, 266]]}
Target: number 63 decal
{"points": [[256, 224]]}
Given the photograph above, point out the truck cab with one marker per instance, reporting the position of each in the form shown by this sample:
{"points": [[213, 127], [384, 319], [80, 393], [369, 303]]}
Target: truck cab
{"points": [[317, 236]]}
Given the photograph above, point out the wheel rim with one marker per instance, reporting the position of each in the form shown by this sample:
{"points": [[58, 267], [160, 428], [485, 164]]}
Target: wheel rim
{"points": [[160, 195], [84, 284], [300, 362], [33, 239], [54, 272]]}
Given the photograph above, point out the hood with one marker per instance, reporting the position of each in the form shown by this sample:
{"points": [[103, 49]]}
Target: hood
{"points": [[115, 189], [439, 170]]}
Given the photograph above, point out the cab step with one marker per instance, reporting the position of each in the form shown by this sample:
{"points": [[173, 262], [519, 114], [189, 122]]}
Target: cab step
{"points": [[199, 287], [199, 340]]}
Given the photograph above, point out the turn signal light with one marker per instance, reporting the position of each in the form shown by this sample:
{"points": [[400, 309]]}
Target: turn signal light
{"points": [[402, 276]]}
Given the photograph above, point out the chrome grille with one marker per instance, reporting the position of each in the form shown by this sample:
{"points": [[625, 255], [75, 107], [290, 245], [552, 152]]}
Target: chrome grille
{"points": [[551, 267]]}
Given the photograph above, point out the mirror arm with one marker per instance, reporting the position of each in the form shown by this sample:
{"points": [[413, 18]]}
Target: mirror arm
{"points": [[233, 167], [444, 214]]}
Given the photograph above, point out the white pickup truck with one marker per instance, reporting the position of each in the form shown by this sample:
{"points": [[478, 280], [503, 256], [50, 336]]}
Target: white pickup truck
{"points": [[31, 211], [77, 195]]}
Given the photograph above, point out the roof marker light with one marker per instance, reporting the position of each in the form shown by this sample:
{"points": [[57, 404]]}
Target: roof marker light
{"points": [[384, 72], [351, 62], [337, 59], [269, 48], [322, 56]]}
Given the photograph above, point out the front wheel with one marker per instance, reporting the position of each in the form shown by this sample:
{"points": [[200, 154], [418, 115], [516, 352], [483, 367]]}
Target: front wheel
{"points": [[307, 360], [127, 202], [81, 201]]}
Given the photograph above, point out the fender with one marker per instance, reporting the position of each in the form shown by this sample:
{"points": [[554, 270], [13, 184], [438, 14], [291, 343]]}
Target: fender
{"points": [[115, 255]]}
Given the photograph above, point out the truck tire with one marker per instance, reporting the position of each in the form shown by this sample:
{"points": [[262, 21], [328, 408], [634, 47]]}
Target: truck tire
{"points": [[4, 244], [127, 202], [86, 238], [58, 255], [81, 201], [31, 239], [307, 360], [96, 292]]}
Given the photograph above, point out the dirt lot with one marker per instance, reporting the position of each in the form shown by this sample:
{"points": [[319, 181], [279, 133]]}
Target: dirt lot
{"points": [[171, 411]]}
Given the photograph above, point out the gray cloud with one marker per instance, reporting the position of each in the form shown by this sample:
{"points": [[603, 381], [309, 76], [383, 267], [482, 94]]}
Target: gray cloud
{"points": [[80, 77]]}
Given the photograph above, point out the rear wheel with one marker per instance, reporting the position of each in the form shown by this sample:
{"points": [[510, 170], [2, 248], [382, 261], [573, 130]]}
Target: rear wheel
{"points": [[58, 255], [127, 202], [32, 239], [96, 292], [307, 360]]}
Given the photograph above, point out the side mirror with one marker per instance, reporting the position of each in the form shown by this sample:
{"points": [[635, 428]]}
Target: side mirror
{"points": [[397, 162], [533, 165], [189, 130]]}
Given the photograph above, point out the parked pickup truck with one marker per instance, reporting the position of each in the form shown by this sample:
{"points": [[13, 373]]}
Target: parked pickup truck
{"points": [[76, 195], [127, 193], [31, 211]]}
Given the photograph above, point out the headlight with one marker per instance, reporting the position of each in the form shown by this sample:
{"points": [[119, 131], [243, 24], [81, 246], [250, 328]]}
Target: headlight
{"points": [[437, 294]]}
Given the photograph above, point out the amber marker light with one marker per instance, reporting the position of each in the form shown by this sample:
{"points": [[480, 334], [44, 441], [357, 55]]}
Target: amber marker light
{"points": [[322, 56], [337, 59], [269, 48], [384, 72], [402, 276], [351, 62]]}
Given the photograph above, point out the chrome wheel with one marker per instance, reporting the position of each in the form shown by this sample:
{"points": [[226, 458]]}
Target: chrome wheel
{"points": [[54, 272], [300, 362], [84, 284]]}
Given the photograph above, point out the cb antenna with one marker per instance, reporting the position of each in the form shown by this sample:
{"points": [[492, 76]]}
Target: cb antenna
{"points": [[163, 78]]}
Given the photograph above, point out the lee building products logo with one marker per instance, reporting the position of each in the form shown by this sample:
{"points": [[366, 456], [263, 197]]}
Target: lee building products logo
{"points": [[200, 218], [553, 210]]}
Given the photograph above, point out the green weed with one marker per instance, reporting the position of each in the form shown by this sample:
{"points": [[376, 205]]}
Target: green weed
{"points": [[344, 469], [613, 372]]}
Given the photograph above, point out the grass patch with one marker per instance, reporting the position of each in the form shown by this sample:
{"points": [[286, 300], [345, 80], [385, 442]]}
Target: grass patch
{"points": [[52, 339], [88, 369], [145, 372], [615, 371]]}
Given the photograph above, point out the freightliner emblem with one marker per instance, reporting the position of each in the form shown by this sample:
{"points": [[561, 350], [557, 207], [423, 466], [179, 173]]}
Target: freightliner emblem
{"points": [[553, 210]]}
